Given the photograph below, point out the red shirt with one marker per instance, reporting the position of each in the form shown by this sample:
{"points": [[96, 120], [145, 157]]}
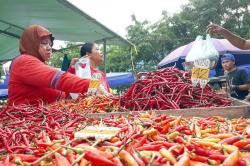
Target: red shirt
{"points": [[103, 78], [31, 80]]}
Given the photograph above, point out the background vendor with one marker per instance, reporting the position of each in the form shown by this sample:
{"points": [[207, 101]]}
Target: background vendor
{"points": [[237, 79], [92, 51], [31, 79]]}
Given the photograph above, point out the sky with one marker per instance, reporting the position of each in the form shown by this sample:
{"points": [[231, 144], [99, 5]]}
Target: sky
{"points": [[116, 14]]}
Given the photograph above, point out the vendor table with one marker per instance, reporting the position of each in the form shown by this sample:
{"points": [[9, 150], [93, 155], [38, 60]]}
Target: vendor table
{"points": [[237, 110]]}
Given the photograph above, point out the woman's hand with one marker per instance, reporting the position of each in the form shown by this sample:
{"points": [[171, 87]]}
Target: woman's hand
{"points": [[73, 62]]}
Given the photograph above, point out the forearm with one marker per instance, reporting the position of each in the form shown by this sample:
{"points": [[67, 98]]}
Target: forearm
{"points": [[72, 84], [71, 70], [244, 87], [235, 40]]}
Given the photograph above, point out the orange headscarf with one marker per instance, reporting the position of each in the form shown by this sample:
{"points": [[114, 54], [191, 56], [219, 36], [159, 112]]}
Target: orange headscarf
{"points": [[31, 39]]}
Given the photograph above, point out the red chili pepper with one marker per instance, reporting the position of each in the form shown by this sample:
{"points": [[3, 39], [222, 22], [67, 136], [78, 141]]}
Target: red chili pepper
{"points": [[184, 161], [149, 147], [129, 160], [6, 162], [42, 145], [232, 158], [188, 132], [230, 140], [178, 151], [158, 138], [159, 128], [71, 156], [61, 160], [117, 161], [162, 143], [138, 160], [141, 142], [241, 163], [166, 121], [97, 159], [158, 119], [180, 128], [25, 140], [179, 139], [26, 157], [165, 128], [198, 158], [198, 150], [17, 122], [248, 131], [242, 143], [6, 145], [247, 147], [220, 157], [39, 152]]}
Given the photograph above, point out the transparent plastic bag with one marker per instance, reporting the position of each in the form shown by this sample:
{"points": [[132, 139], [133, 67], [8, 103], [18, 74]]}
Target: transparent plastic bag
{"points": [[202, 49], [196, 51], [210, 52], [82, 69]]}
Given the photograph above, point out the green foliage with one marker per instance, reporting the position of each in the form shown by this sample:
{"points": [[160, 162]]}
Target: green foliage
{"points": [[57, 58], [118, 59]]}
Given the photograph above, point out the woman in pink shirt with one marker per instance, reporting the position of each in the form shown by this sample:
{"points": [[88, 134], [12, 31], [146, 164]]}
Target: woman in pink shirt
{"points": [[92, 51]]}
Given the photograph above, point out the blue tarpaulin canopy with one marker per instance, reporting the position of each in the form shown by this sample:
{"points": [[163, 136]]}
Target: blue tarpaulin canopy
{"points": [[3, 93], [5, 83], [116, 80], [4, 87]]}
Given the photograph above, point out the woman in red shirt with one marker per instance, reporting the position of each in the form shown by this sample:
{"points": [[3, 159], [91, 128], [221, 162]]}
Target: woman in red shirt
{"points": [[96, 58], [31, 79]]}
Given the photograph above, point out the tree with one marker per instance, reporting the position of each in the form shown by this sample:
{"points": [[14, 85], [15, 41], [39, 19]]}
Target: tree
{"points": [[152, 42], [118, 59], [57, 58], [236, 16]]}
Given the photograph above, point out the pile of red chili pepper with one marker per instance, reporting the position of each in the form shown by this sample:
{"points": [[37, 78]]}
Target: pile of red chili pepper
{"points": [[170, 88], [24, 128], [42, 136], [89, 104]]}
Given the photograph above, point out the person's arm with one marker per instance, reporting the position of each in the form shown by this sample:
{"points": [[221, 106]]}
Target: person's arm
{"points": [[231, 37], [35, 73], [244, 87], [71, 68]]}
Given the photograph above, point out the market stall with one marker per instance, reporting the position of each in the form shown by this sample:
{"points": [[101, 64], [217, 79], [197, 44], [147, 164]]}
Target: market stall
{"points": [[192, 128], [167, 117]]}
